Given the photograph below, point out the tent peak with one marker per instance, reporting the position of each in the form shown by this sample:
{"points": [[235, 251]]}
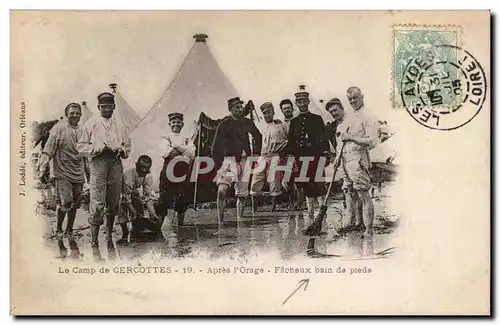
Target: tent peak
{"points": [[84, 103], [302, 87], [113, 86], [200, 38]]}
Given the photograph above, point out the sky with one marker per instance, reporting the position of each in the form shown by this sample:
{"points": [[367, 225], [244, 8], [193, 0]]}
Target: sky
{"points": [[58, 57], [73, 56]]}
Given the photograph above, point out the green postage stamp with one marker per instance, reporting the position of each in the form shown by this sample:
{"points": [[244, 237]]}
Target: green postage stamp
{"points": [[412, 41]]}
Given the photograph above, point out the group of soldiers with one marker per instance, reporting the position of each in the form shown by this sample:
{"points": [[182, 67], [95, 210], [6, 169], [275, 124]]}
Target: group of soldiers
{"points": [[103, 143], [354, 133]]}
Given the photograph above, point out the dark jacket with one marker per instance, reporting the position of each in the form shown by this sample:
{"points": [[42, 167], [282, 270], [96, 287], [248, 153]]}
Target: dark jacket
{"points": [[307, 136], [231, 139], [331, 131]]}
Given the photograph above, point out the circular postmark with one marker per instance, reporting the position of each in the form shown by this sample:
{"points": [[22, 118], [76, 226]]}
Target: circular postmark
{"points": [[444, 88]]}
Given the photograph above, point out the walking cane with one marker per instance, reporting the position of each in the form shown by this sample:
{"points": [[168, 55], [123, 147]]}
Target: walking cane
{"points": [[315, 228]]}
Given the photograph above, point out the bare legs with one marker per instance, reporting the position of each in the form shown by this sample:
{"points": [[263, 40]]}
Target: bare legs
{"points": [[240, 207], [221, 201], [360, 210], [368, 212]]}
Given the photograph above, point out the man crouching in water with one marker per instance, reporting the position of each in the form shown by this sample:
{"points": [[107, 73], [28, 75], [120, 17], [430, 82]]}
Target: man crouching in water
{"points": [[132, 205], [230, 148]]}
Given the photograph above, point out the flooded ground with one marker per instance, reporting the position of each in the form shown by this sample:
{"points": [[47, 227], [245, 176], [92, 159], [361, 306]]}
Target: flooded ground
{"points": [[201, 237]]}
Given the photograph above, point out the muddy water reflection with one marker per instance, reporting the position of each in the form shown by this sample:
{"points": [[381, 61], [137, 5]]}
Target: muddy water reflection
{"points": [[277, 232]]}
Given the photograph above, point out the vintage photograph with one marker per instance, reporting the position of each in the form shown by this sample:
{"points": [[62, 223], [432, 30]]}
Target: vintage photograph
{"points": [[188, 146]]}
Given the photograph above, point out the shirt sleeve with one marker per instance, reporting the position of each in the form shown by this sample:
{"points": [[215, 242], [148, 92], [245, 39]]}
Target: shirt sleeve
{"points": [[189, 150], [331, 130], [371, 130], [53, 143], [126, 144], [147, 188], [323, 143], [83, 145], [218, 144], [257, 136], [165, 146], [284, 140], [291, 139]]}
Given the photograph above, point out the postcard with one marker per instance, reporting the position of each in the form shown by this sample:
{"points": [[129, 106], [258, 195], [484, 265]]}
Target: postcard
{"points": [[250, 162]]}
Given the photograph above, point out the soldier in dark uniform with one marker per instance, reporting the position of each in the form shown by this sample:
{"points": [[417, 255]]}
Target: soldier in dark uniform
{"points": [[308, 138]]}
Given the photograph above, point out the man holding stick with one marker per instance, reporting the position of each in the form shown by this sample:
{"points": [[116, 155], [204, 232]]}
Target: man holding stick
{"points": [[360, 138]]}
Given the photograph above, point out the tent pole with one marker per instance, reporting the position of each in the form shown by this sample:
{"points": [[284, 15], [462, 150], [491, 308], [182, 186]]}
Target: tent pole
{"points": [[196, 167]]}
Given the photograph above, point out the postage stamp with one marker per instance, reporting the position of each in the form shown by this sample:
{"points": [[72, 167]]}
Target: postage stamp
{"points": [[444, 88], [411, 41]]}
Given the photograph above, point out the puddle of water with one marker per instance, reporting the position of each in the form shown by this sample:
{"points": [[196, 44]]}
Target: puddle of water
{"points": [[263, 231]]}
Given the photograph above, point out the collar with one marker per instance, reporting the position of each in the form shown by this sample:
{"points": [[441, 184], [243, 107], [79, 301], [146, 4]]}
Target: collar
{"points": [[341, 120], [360, 110], [71, 126], [107, 120]]}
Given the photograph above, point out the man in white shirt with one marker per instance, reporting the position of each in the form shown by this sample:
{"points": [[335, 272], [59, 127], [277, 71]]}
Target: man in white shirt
{"points": [[175, 195], [359, 140], [68, 166], [274, 141], [106, 142]]}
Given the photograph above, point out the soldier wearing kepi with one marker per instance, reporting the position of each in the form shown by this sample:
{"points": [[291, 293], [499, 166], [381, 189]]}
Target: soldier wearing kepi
{"points": [[231, 146], [274, 142], [359, 140], [68, 166], [106, 141], [308, 138], [173, 194]]}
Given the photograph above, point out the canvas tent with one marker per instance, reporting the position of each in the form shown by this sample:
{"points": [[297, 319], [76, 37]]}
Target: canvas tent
{"points": [[86, 113], [123, 110], [198, 86]]}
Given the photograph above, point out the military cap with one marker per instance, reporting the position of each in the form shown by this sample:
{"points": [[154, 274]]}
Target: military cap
{"points": [[72, 105], [333, 101], [233, 101], [175, 116], [105, 98], [301, 95], [266, 106]]}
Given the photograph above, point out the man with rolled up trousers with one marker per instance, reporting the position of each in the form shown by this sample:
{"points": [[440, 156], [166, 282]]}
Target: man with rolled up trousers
{"points": [[106, 141]]}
